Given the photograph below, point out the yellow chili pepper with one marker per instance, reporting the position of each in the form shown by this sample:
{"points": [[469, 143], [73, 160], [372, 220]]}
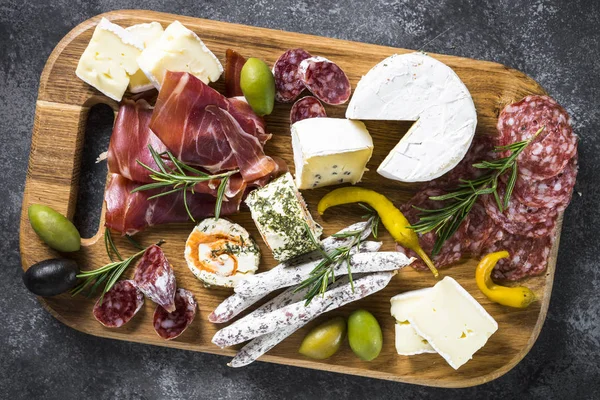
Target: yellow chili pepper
{"points": [[393, 219], [518, 297]]}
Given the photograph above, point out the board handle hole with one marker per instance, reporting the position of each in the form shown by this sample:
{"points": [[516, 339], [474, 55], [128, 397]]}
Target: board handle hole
{"points": [[92, 174]]}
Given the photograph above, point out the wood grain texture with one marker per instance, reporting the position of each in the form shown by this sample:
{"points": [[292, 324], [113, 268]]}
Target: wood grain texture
{"points": [[52, 179]]}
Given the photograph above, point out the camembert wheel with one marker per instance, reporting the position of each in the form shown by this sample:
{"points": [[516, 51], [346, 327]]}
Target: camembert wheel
{"points": [[220, 252]]}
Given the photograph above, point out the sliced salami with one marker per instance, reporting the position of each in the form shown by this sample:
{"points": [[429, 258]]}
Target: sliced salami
{"points": [[527, 257], [325, 80], [553, 192], [119, 304], [155, 277], [288, 84], [481, 226], [170, 325], [305, 108], [552, 149], [520, 219]]}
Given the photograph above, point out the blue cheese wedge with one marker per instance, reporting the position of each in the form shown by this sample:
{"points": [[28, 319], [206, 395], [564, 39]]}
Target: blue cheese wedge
{"points": [[179, 50], [110, 59], [330, 151], [417, 87], [408, 341], [281, 216], [148, 33], [453, 322], [221, 253]]}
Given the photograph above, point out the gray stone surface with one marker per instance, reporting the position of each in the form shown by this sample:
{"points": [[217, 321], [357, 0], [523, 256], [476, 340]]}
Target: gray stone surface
{"points": [[555, 42]]}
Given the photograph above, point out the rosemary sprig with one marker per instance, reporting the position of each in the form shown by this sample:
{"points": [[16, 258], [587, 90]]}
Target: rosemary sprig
{"points": [[180, 177], [109, 273], [323, 274], [445, 221]]}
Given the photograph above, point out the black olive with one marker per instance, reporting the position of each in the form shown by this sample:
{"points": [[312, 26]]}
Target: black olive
{"points": [[51, 277]]}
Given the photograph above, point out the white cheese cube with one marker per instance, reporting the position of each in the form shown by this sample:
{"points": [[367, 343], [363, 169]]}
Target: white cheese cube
{"points": [[281, 216], [417, 87], [148, 33], [453, 322], [408, 341], [110, 59], [179, 50], [330, 151]]}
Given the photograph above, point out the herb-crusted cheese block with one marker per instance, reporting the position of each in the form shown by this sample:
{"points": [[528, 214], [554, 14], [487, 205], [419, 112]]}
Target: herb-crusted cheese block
{"points": [[281, 216], [110, 59], [148, 33], [330, 151], [179, 50], [408, 341], [417, 87], [453, 322]]}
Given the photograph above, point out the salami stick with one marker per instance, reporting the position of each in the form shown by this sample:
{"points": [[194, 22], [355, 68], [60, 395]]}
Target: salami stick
{"points": [[235, 304], [341, 293]]}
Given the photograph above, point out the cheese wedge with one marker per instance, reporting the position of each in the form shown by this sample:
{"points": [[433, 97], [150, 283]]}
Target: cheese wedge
{"points": [[408, 341], [110, 59], [417, 87], [148, 33], [330, 151], [179, 50], [453, 322], [281, 216]]}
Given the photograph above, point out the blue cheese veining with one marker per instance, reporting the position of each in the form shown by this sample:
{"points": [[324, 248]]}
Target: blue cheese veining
{"points": [[281, 216]]}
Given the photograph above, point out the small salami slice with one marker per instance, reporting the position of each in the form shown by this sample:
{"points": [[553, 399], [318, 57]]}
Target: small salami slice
{"points": [[155, 277], [119, 304], [307, 107], [553, 192], [288, 84], [170, 325], [527, 257], [552, 149], [520, 219], [481, 226], [325, 80]]}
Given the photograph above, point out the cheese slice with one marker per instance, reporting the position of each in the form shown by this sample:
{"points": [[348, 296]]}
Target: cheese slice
{"points": [[110, 59], [453, 322], [179, 50], [281, 216], [408, 341], [417, 87], [330, 151], [148, 33]]}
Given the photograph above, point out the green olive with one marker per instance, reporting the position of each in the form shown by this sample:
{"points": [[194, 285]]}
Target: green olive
{"points": [[258, 85], [324, 340], [364, 335], [53, 228]]}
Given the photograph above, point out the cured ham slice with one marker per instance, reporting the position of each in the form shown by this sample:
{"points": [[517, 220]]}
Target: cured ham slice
{"points": [[203, 136], [234, 62], [130, 213], [130, 139]]}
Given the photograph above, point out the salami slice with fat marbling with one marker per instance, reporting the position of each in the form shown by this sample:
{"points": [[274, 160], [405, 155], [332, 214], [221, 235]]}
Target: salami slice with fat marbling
{"points": [[155, 277], [554, 146], [170, 325], [288, 84], [119, 304], [325, 80], [553, 192], [305, 108], [481, 226]]}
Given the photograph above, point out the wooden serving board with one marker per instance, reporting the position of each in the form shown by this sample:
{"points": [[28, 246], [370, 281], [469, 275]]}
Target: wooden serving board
{"points": [[53, 175]]}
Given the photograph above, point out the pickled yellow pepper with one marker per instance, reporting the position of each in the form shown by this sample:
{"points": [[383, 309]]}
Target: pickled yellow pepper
{"points": [[393, 219], [518, 297]]}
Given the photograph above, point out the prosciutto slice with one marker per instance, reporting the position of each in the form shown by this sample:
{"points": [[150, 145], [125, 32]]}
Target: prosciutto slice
{"points": [[130, 139], [187, 120], [130, 213]]}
